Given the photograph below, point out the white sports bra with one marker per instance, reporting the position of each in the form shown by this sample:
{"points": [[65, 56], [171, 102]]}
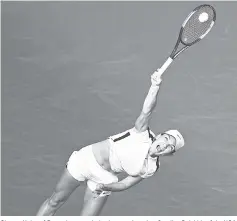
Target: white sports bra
{"points": [[129, 153]]}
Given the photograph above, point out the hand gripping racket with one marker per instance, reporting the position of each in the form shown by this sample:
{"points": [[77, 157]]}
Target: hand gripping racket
{"points": [[195, 27]]}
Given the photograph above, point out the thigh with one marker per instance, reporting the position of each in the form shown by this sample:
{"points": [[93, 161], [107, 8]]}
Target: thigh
{"points": [[66, 185], [92, 206]]}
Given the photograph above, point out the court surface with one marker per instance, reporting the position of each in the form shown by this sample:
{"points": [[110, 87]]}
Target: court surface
{"points": [[74, 73]]}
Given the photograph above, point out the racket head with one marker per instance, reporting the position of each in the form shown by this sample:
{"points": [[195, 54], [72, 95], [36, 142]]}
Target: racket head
{"points": [[193, 30]]}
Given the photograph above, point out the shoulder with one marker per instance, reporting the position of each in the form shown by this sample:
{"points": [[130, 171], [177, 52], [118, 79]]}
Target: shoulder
{"points": [[138, 130], [147, 132]]}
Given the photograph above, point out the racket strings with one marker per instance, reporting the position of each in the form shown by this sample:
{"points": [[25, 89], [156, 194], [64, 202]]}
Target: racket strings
{"points": [[194, 28]]}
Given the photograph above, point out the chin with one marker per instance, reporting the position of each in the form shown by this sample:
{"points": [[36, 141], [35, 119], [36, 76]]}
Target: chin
{"points": [[167, 154]]}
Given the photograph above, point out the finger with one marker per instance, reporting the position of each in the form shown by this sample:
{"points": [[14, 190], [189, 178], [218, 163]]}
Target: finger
{"points": [[97, 191], [157, 75]]}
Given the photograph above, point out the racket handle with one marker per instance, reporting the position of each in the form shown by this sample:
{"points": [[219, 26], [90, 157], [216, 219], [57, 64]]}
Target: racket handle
{"points": [[165, 66]]}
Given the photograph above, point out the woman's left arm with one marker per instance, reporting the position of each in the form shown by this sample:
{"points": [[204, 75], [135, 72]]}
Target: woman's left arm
{"points": [[124, 184]]}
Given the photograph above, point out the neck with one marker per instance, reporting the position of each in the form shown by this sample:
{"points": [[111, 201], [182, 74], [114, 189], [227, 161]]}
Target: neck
{"points": [[152, 155]]}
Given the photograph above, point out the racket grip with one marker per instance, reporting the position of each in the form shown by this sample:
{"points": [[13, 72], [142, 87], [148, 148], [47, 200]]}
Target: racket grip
{"points": [[165, 66]]}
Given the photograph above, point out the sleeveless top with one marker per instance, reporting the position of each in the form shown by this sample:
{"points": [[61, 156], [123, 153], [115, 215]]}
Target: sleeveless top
{"points": [[129, 153]]}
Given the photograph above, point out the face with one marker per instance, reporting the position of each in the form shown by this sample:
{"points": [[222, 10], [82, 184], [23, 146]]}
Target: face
{"points": [[163, 145]]}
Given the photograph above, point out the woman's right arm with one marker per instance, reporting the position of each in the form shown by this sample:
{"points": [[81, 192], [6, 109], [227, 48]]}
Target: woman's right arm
{"points": [[124, 184]]}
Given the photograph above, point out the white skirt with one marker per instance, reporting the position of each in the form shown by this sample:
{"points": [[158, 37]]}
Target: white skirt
{"points": [[83, 166]]}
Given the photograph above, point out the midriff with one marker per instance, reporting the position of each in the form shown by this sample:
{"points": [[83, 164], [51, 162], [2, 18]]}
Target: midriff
{"points": [[101, 152]]}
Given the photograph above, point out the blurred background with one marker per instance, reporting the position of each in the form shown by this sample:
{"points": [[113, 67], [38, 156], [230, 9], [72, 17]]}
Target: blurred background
{"points": [[74, 73]]}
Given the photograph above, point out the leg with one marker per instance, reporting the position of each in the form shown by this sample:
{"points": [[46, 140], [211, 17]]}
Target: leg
{"points": [[92, 206], [66, 185]]}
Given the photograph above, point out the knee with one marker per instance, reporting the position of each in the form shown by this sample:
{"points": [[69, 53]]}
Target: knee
{"points": [[56, 200]]}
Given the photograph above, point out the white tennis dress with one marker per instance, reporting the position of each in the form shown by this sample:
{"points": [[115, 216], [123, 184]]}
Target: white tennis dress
{"points": [[128, 153]]}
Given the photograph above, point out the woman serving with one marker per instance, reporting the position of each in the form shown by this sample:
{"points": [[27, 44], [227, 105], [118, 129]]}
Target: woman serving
{"points": [[135, 152]]}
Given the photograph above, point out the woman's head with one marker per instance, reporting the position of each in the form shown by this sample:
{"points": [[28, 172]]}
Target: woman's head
{"points": [[166, 143]]}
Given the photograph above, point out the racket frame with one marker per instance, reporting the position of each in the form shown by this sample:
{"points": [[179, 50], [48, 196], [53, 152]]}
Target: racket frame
{"points": [[189, 16], [175, 53]]}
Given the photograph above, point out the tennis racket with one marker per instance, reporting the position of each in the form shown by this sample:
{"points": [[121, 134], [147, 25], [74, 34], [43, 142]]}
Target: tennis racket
{"points": [[194, 28]]}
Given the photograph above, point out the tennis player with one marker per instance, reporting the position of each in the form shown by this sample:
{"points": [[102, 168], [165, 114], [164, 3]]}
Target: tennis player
{"points": [[134, 152]]}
